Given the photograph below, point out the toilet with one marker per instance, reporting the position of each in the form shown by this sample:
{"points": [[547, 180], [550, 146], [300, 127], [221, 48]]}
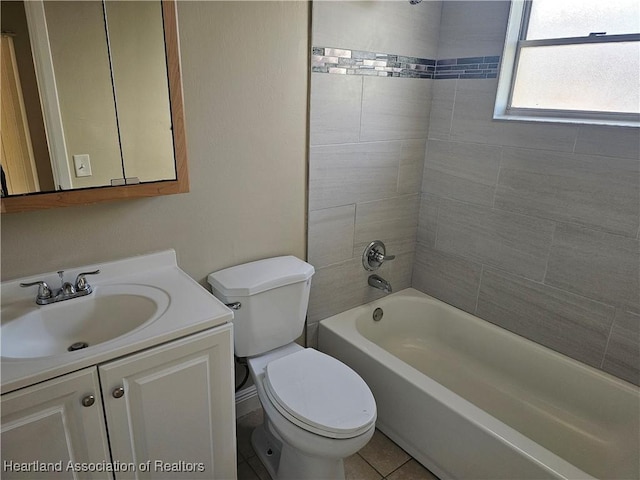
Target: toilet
{"points": [[317, 410]]}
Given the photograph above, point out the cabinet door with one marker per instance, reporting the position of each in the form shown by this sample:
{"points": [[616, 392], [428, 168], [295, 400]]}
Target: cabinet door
{"points": [[175, 416], [48, 428]]}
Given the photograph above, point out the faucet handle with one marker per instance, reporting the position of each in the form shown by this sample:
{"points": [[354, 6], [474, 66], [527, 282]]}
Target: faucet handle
{"points": [[380, 257], [44, 291], [374, 255], [81, 281]]}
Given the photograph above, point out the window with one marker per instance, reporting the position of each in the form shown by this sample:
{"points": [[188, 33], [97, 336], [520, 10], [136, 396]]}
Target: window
{"points": [[571, 61]]}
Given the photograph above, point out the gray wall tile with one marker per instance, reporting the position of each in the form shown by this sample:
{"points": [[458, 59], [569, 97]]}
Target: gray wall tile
{"points": [[428, 219], [623, 352], [396, 109], [335, 108], [465, 35], [411, 166], [393, 220], [544, 136], [511, 242], [398, 272], [331, 234], [336, 288], [442, 101], [595, 264], [311, 335], [595, 186], [472, 116], [449, 278], [609, 141], [378, 26], [378, 165], [473, 122], [567, 323], [342, 286], [461, 171], [344, 174], [593, 191]]}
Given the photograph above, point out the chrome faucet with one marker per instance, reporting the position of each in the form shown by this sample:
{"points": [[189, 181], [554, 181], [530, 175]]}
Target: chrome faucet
{"points": [[66, 291], [380, 283], [374, 255]]}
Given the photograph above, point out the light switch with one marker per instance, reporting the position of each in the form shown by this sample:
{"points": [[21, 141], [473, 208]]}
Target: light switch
{"points": [[82, 165]]}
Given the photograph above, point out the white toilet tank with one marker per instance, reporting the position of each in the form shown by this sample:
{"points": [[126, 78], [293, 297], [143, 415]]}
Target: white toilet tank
{"points": [[273, 294]]}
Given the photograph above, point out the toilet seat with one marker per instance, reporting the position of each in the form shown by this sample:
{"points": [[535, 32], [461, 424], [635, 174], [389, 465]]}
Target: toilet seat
{"points": [[320, 394]]}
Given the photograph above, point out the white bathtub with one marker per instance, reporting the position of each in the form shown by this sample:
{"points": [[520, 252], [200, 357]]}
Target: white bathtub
{"points": [[470, 400]]}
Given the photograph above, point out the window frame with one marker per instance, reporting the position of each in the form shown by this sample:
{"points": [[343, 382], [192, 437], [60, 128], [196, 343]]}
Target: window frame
{"points": [[514, 42]]}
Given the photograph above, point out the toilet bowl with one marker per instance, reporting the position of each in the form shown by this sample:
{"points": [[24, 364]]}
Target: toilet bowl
{"points": [[312, 422], [317, 410]]}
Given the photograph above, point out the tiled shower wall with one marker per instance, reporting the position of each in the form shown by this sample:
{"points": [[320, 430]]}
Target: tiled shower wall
{"points": [[533, 227], [367, 142]]}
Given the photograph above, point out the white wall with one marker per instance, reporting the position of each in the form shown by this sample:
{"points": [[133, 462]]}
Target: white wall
{"points": [[245, 72]]}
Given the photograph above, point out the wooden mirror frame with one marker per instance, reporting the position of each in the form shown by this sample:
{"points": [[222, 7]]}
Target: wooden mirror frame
{"points": [[86, 196]]}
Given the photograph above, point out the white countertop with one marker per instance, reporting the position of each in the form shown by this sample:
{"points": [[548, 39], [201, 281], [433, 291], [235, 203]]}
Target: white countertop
{"points": [[191, 309]]}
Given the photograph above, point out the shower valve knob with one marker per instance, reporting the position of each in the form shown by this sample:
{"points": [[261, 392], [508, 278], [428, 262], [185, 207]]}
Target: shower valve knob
{"points": [[374, 255]]}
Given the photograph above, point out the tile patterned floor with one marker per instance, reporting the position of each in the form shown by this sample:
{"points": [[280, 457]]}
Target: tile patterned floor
{"points": [[380, 459]]}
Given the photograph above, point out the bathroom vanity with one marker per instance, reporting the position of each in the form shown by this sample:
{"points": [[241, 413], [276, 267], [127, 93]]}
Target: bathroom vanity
{"points": [[153, 402]]}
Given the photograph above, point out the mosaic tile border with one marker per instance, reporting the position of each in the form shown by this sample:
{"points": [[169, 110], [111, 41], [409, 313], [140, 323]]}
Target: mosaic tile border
{"points": [[358, 62]]}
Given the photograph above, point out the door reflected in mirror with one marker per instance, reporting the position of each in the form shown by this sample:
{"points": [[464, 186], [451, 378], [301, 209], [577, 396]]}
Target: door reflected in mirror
{"points": [[142, 92], [99, 113]]}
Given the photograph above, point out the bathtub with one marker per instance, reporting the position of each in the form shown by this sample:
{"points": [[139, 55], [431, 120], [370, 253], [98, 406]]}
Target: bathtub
{"points": [[470, 400]]}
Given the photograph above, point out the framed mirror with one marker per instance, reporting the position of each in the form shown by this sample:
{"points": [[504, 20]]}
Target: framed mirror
{"points": [[108, 120]]}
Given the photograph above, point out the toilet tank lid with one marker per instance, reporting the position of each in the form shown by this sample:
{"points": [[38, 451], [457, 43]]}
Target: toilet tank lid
{"points": [[259, 276]]}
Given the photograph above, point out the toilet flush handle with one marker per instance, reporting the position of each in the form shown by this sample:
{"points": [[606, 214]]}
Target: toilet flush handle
{"points": [[234, 305]]}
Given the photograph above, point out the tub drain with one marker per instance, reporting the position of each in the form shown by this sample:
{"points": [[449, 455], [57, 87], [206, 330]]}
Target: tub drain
{"points": [[77, 346], [377, 314]]}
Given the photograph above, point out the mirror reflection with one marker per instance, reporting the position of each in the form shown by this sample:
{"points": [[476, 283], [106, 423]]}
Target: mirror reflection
{"points": [[99, 112]]}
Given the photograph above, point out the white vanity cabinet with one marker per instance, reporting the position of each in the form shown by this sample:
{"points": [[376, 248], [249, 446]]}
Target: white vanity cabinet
{"points": [[169, 413], [46, 426], [173, 405]]}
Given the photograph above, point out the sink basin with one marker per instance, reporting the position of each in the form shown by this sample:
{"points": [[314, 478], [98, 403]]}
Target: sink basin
{"points": [[137, 303], [111, 311]]}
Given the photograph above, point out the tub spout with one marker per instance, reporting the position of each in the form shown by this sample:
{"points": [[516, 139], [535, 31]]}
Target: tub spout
{"points": [[380, 283]]}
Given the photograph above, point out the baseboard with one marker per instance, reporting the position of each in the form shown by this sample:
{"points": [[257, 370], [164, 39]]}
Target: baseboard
{"points": [[247, 401]]}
